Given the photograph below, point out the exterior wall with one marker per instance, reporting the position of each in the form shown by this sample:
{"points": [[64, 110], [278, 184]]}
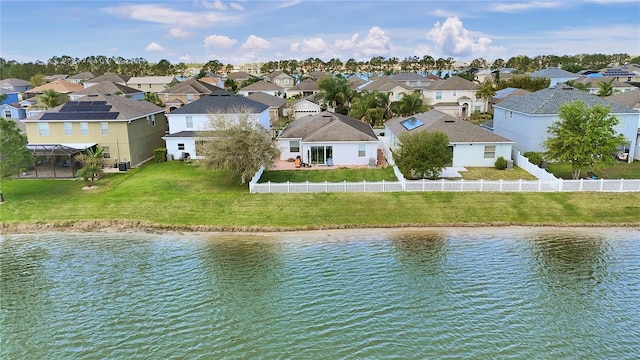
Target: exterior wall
{"points": [[281, 80], [116, 141], [270, 92], [285, 154], [11, 98], [473, 154], [164, 97], [146, 87], [636, 155], [305, 108], [13, 112], [189, 147], [144, 137], [452, 96], [344, 153], [178, 122]]}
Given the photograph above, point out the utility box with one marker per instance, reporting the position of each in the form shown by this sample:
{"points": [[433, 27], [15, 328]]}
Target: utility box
{"points": [[122, 166], [509, 164]]}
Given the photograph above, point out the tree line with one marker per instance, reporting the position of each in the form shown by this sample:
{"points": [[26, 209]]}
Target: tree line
{"points": [[377, 65]]}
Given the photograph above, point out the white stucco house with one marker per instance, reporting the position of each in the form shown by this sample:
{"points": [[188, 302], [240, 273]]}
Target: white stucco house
{"points": [[454, 96], [471, 144], [525, 119], [329, 139], [191, 124]]}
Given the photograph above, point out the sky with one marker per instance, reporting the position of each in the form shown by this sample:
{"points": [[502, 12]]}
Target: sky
{"points": [[245, 31]]}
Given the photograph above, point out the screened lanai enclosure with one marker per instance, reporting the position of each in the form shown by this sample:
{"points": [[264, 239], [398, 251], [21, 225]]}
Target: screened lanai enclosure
{"points": [[54, 160]]}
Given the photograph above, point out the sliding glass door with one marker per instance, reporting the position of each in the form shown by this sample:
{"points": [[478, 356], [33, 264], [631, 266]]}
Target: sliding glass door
{"points": [[320, 154]]}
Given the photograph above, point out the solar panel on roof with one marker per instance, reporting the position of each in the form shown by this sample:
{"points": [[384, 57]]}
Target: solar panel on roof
{"points": [[80, 116], [411, 123]]}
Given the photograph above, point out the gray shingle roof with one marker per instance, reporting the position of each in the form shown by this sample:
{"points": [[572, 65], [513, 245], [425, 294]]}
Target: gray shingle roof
{"points": [[267, 99], [458, 130], [110, 77], [408, 76], [553, 72], [221, 102], [261, 86], [453, 83], [328, 126], [548, 101], [107, 88], [628, 98], [385, 83], [307, 84], [190, 86]]}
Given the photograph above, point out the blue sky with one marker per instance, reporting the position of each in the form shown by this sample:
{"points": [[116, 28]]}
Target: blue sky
{"points": [[241, 31]]}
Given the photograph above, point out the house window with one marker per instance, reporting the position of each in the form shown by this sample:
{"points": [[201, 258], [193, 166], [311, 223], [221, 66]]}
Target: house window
{"points": [[68, 128], [104, 128], [139, 86], [180, 146], [294, 146], [189, 98], [361, 150], [286, 81], [277, 81], [418, 83], [189, 120], [106, 153], [454, 93], [166, 97], [149, 86], [477, 108], [438, 95], [7, 114], [43, 129], [84, 128], [489, 151]]}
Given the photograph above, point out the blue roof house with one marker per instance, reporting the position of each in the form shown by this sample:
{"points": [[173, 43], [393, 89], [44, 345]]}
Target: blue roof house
{"points": [[525, 119]]}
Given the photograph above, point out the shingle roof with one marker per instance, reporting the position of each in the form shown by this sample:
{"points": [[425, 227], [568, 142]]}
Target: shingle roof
{"points": [[14, 82], [458, 130], [221, 102], [127, 109], [59, 85], [552, 72], [82, 76], [628, 98], [386, 83], [107, 88], [267, 99], [239, 75], [453, 83], [408, 76], [549, 101], [262, 86], [190, 86], [328, 126], [307, 84], [151, 80], [110, 77]]}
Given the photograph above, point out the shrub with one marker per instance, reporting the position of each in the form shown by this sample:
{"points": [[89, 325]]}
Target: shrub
{"points": [[501, 163], [534, 157], [160, 154]]}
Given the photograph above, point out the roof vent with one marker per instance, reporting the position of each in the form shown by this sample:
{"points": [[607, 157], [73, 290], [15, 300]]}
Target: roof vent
{"points": [[449, 120]]}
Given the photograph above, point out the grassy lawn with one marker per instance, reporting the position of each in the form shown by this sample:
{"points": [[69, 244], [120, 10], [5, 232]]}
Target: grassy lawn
{"points": [[488, 173], [333, 175], [174, 194], [620, 170]]}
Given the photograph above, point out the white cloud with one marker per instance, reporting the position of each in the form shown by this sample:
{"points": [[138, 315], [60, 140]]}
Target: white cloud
{"points": [[376, 43], [255, 43], [313, 45], [154, 46], [165, 15], [219, 41], [216, 5], [178, 33], [236, 6], [185, 58], [524, 6], [113, 49], [454, 40]]}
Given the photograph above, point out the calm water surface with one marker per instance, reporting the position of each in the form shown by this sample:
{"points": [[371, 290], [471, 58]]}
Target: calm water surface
{"points": [[405, 294]]}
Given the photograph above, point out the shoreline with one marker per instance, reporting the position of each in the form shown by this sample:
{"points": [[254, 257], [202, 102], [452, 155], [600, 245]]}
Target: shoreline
{"points": [[124, 226]]}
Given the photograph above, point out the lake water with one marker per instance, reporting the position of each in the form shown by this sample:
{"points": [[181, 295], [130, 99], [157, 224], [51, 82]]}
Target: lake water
{"points": [[406, 294]]}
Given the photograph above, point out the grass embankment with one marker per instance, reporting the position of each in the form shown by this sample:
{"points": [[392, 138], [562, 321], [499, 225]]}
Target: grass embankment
{"points": [[175, 196], [619, 170]]}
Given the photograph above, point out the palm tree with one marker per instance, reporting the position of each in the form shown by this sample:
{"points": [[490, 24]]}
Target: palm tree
{"points": [[50, 98], [153, 98], [579, 85], [409, 104], [336, 93], [606, 88], [372, 107], [485, 91]]}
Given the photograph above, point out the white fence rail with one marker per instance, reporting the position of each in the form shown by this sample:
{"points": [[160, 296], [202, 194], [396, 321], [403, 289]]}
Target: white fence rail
{"points": [[602, 185], [532, 169]]}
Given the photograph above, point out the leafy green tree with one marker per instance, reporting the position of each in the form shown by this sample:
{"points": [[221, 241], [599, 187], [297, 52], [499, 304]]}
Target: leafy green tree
{"points": [[14, 155], [36, 80], [336, 93], [606, 88], [423, 154], [584, 137], [153, 98], [240, 145], [231, 85], [579, 85], [50, 98], [409, 104]]}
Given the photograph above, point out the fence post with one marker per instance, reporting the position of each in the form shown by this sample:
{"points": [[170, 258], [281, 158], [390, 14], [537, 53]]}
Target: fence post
{"points": [[382, 185], [364, 185], [481, 182], [326, 186], [539, 185], [423, 187], [561, 186], [269, 186], [307, 185], [461, 184], [581, 184], [621, 184], [500, 185], [601, 184], [442, 185], [288, 187], [345, 186]]}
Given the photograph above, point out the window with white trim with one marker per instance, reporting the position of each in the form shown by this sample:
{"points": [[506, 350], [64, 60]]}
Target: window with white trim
{"points": [[294, 146], [106, 153], [84, 128], [180, 146], [43, 129], [189, 121], [7, 114], [362, 150], [68, 128], [189, 98], [104, 128], [438, 95], [489, 151]]}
